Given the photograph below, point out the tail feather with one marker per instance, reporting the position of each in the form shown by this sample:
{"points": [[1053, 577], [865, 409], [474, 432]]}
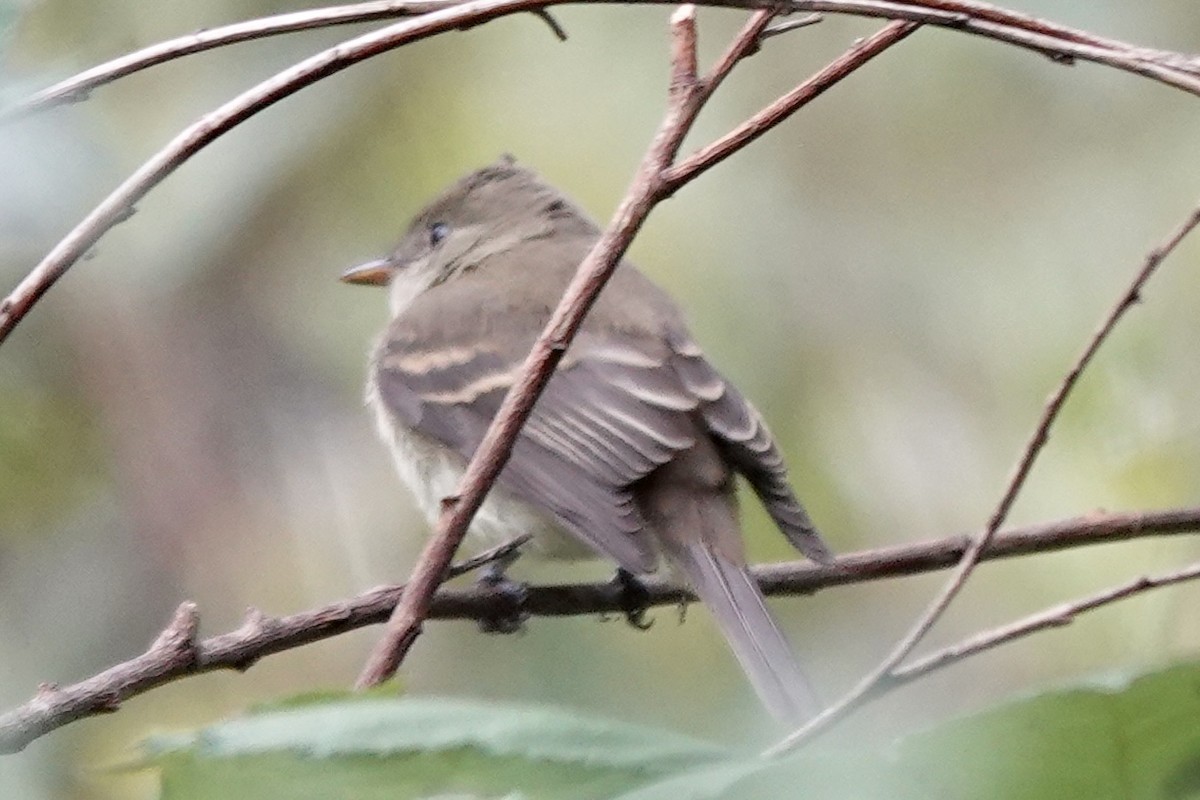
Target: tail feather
{"points": [[692, 512], [737, 604]]}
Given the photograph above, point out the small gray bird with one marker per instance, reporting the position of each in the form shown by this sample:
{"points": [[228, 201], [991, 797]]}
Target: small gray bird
{"points": [[631, 451]]}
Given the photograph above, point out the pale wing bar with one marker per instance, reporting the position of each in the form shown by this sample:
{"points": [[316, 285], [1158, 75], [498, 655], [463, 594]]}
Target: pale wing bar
{"points": [[601, 425], [748, 444]]}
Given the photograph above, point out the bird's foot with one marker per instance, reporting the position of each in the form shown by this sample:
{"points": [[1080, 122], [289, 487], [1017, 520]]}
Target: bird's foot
{"points": [[511, 596], [634, 599]]}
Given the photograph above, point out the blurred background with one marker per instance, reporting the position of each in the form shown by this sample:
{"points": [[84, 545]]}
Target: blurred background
{"points": [[897, 277]]}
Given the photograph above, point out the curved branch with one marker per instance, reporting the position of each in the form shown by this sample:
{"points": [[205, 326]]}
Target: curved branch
{"points": [[120, 203], [78, 87], [873, 682], [1056, 616], [1063, 44], [177, 653]]}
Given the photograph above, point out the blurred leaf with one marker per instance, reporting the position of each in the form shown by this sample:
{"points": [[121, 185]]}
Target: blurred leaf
{"points": [[419, 748], [701, 784], [1134, 740], [1131, 741]]}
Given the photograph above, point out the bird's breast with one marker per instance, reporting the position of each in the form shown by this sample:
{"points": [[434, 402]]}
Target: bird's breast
{"points": [[432, 473]]}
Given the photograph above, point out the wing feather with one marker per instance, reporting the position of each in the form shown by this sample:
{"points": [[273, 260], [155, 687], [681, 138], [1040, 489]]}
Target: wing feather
{"points": [[607, 418], [748, 445], [618, 408]]}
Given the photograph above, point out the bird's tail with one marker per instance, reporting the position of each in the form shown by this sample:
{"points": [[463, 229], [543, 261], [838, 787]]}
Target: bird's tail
{"points": [[733, 596]]}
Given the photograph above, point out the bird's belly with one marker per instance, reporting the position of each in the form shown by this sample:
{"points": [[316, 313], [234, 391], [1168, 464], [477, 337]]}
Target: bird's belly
{"points": [[432, 473]]}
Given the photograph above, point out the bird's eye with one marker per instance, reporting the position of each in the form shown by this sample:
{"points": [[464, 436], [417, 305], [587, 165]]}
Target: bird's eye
{"points": [[437, 232]]}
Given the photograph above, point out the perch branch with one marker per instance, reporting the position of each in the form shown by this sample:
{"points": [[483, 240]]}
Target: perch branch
{"points": [[177, 654], [1062, 44]]}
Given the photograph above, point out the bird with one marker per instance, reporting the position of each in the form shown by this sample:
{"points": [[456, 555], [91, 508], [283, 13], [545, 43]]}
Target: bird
{"points": [[631, 452]]}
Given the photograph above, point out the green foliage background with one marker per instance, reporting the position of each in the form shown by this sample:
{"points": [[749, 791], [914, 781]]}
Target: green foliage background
{"points": [[897, 278], [1125, 739]]}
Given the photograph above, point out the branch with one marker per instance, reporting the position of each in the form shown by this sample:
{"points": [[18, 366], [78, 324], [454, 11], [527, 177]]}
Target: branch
{"points": [[781, 109], [177, 654], [1057, 616], [688, 92], [867, 687], [119, 205], [977, 18], [1063, 44], [79, 87], [687, 96]]}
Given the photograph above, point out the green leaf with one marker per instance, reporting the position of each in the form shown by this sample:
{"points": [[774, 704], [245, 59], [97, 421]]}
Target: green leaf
{"points": [[700, 784], [398, 748], [1117, 739], [1131, 739]]}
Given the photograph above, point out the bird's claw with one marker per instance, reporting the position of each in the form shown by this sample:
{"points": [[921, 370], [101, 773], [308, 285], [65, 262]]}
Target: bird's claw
{"points": [[634, 599], [511, 597]]}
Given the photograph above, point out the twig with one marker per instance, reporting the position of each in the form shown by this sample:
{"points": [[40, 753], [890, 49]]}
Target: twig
{"points": [[785, 106], [866, 687], [788, 25], [687, 96], [987, 20], [260, 636], [120, 203], [742, 46], [498, 553], [1063, 43], [79, 87], [556, 28], [1056, 616]]}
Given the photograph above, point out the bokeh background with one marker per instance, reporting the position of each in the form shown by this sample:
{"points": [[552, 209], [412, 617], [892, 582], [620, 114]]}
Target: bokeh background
{"points": [[897, 277]]}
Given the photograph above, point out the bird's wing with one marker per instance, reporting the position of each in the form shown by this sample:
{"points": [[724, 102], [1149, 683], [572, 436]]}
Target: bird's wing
{"points": [[613, 412], [747, 444]]}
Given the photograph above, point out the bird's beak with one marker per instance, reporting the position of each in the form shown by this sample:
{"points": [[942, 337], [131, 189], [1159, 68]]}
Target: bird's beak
{"points": [[372, 273]]}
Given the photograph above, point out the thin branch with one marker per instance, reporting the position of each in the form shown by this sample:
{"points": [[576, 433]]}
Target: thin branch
{"points": [[556, 28], [499, 553], [119, 205], [404, 625], [79, 87], [1057, 616], [788, 25], [865, 689], [743, 45], [649, 187], [978, 18], [772, 115], [1063, 43], [177, 654]]}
